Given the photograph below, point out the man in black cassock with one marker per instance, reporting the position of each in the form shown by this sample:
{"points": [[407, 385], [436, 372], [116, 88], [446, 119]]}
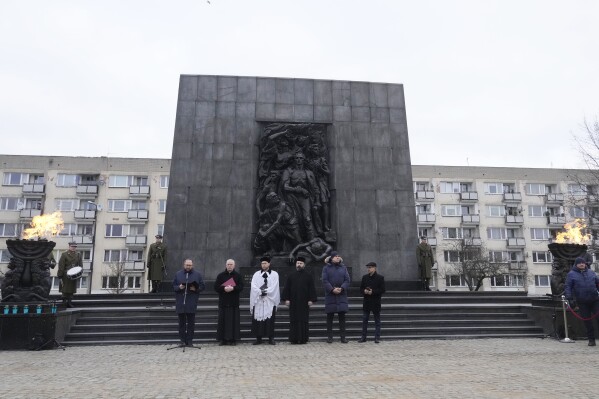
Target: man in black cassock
{"points": [[229, 285], [299, 294]]}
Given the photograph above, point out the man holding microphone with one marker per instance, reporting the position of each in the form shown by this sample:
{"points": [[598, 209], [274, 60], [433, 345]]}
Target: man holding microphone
{"points": [[188, 284]]}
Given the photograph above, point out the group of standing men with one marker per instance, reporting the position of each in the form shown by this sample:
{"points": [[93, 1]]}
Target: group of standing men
{"points": [[299, 294]]}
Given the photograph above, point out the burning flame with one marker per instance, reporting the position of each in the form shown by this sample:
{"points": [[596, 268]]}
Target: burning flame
{"points": [[44, 226], [573, 233]]}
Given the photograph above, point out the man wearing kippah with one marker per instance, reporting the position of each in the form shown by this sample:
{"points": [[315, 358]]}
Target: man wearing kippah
{"points": [[299, 294]]}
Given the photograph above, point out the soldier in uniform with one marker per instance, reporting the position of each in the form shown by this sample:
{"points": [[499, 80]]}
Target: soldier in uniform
{"points": [[156, 263], [68, 260], [426, 260]]}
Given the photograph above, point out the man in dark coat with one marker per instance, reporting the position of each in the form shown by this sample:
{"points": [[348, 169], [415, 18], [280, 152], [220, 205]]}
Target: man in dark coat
{"points": [[426, 260], [335, 280], [581, 291], [156, 263], [372, 288], [188, 284], [299, 294], [67, 261], [229, 285]]}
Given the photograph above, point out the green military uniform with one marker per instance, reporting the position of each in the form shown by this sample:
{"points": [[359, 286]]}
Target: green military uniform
{"points": [[67, 261], [156, 263], [426, 260]]}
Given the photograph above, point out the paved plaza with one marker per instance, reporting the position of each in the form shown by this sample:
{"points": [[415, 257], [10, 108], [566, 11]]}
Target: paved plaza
{"points": [[482, 368]]}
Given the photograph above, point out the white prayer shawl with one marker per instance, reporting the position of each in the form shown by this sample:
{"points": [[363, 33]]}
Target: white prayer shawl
{"points": [[262, 306]]}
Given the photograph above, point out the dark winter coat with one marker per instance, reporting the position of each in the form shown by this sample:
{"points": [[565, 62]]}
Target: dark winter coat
{"points": [[67, 261], [426, 260], [581, 286], [335, 275], [191, 298], [372, 303], [299, 290], [228, 299]]}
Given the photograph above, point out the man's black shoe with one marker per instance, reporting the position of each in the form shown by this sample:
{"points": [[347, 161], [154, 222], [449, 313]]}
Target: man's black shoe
{"points": [[257, 342], [361, 340], [344, 341], [222, 343], [592, 343], [376, 340], [271, 342], [329, 340]]}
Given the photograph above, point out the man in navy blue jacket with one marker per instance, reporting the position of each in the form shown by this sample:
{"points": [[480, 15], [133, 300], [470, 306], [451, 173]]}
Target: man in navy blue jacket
{"points": [[581, 292], [188, 284]]}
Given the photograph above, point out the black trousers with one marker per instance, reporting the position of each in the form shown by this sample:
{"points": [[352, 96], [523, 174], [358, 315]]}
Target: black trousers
{"points": [[341, 324], [587, 309], [377, 323], [187, 323]]}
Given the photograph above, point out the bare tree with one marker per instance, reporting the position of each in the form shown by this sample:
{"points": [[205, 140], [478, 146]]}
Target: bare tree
{"points": [[116, 282], [470, 259]]}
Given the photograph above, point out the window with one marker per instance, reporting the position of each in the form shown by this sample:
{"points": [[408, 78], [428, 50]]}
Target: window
{"points": [[119, 205], [85, 229], [542, 257], [496, 210], [120, 181], [536, 211], [4, 256], [451, 256], [423, 209], [8, 229], [109, 282], [10, 204], [33, 203], [162, 206], [496, 233], [577, 212], [134, 282], [467, 209], [160, 229], [15, 178], [135, 255], [164, 179], [469, 233], [451, 210], [65, 180], [139, 180], [542, 281], [137, 205], [137, 229], [493, 188], [67, 205], [498, 256], [539, 234], [115, 255], [535, 189], [577, 189], [69, 229], [447, 187], [452, 232], [422, 231], [508, 280], [455, 281], [81, 282], [115, 230], [85, 254]]}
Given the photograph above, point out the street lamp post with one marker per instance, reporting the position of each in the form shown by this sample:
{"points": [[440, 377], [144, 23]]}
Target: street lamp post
{"points": [[95, 226]]}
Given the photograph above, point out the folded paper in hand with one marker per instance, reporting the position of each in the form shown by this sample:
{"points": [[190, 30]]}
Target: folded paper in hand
{"points": [[230, 282]]}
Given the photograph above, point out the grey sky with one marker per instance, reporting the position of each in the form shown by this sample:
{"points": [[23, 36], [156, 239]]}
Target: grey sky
{"points": [[491, 83]]}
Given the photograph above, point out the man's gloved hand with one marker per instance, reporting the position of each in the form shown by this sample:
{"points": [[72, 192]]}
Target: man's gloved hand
{"points": [[573, 305]]}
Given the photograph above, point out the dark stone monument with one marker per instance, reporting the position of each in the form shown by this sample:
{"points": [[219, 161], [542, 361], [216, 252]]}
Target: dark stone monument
{"points": [[289, 166]]}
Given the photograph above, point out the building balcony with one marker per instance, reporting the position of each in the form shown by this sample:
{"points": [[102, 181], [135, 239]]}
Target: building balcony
{"points": [[424, 195], [432, 241], [29, 213], [137, 214], [134, 265], [87, 191], [136, 241], [556, 221], [556, 198], [516, 242], [469, 196], [426, 218], [517, 265], [470, 219], [473, 241], [84, 240], [514, 219], [512, 197], [139, 191], [34, 190], [85, 214]]}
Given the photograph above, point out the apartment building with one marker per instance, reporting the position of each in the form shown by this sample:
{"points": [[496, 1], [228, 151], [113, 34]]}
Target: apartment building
{"points": [[113, 207]]}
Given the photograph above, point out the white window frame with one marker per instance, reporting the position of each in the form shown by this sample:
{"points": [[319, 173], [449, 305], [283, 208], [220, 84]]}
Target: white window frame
{"points": [[451, 210], [578, 212], [495, 210], [449, 277], [449, 187], [577, 189], [452, 233], [21, 177], [11, 203], [539, 234], [69, 229], [8, 232], [496, 233], [508, 280], [67, 180], [112, 230], [450, 256], [110, 255], [498, 256], [542, 280], [160, 229], [494, 188], [67, 204], [5, 256], [126, 205], [164, 181], [537, 211], [542, 257], [120, 181], [535, 189], [162, 206]]}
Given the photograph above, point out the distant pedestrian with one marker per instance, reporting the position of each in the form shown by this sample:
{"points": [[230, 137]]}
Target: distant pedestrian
{"points": [[335, 280], [372, 288], [581, 291], [299, 294]]}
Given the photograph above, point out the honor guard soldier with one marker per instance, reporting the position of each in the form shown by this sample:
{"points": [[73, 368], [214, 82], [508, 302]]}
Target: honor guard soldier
{"points": [[156, 263]]}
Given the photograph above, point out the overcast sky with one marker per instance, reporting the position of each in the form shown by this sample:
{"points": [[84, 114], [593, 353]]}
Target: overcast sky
{"points": [[487, 83]]}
